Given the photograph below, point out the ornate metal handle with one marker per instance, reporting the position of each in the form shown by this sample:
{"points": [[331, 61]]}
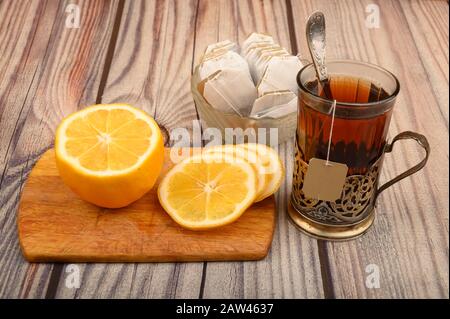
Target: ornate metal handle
{"points": [[422, 141]]}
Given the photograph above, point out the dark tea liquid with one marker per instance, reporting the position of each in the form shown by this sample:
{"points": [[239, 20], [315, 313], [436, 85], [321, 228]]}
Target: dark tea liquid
{"points": [[357, 142]]}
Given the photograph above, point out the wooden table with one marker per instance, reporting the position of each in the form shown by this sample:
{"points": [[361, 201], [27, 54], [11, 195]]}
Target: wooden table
{"points": [[143, 53]]}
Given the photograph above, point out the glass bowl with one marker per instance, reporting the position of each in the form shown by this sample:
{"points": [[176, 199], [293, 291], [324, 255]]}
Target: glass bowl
{"points": [[267, 130]]}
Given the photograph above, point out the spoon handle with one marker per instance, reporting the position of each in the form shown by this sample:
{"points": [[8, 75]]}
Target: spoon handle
{"points": [[315, 35]]}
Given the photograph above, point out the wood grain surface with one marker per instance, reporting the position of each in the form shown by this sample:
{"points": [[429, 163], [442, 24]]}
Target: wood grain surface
{"points": [[52, 71], [55, 225], [143, 52]]}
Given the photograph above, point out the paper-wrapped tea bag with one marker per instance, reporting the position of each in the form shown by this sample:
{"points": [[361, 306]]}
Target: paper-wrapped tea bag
{"points": [[255, 38], [256, 52], [254, 48], [228, 79], [223, 45], [263, 59], [274, 104], [227, 60], [280, 74], [230, 91]]}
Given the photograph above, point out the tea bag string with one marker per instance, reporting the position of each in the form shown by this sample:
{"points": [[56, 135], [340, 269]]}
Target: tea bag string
{"points": [[332, 111]]}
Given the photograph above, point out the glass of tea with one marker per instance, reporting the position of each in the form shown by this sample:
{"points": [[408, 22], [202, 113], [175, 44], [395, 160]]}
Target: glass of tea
{"points": [[365, 95]]}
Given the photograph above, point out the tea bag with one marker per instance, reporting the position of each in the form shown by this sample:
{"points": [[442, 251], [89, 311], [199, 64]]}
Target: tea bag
{"points": [[280, 74], [227, 78], [263, 59], [252, 50], [223, 45], [227, 60], [255, 38], [324, 179], [230, 91], [255, 53], [274, 104]]}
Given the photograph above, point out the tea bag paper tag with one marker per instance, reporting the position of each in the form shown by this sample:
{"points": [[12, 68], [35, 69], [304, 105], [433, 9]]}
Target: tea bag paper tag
{"points": [[324, 180]]}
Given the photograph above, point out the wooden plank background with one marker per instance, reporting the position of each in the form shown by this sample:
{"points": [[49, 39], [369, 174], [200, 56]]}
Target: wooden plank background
{"points": [[143, 52]]}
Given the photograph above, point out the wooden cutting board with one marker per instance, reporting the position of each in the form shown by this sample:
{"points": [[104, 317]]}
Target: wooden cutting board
{"points": [[55, 225]]}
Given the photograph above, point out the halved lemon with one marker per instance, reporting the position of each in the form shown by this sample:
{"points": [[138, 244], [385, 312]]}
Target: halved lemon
{"points": [[208, 190], [247, 154], [109, 154], [272, 167]]}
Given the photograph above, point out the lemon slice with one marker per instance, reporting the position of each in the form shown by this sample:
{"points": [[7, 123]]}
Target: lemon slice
{"points": [[250, 156], [110, 155], [207, 190], [271, 165]]}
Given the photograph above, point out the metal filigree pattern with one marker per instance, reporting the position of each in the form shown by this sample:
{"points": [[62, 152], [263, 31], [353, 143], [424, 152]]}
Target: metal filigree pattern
{"points": [[355, 204]]}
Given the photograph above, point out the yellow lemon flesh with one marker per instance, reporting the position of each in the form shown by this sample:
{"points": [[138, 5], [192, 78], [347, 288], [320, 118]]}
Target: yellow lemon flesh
{"points": [[270, 165], [208, 190], [265, 161], [109, 154], [248, 155]]}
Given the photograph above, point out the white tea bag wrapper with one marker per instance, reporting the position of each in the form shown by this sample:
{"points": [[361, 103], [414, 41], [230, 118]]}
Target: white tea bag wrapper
{"points": [[230, 91], [255, 54], [280, 74], [217, 52], [263, 59], [215, 55], [228, 60], [269, 51], [219, 103], [252, 53], [227, 45], [274, 104], [255, 37], [256, 49], [278, 111], [324, 180]]}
